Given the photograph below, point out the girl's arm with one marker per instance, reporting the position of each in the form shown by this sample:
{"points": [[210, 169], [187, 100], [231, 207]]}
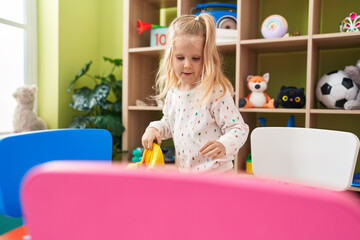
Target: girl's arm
{"points": [[163, 125], [235, 131]]}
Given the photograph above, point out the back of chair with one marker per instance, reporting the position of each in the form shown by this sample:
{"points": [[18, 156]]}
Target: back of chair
{"points": [[20, 152], [72, 201], [315, 157]]}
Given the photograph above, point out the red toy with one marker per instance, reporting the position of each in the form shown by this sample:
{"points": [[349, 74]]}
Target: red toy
{"points": [[141, 26]]}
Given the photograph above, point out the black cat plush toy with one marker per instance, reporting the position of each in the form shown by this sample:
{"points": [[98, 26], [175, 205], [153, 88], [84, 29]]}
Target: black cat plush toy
{"points": [[291, 97]]}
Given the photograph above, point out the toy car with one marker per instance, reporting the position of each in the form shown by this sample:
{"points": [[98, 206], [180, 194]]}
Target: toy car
{"points": [[223, 18]]}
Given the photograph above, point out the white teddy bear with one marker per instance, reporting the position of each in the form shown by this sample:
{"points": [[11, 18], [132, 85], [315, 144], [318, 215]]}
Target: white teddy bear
{"points": [[24, 118]]}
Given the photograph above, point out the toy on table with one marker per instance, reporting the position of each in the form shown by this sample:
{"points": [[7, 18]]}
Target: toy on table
{"points": [[249, 164], [257, 98], [168, 154], [354, 73], [274, 26], [137, 154], [150, 158], [334, 89], [291, 97], [350, 23]]}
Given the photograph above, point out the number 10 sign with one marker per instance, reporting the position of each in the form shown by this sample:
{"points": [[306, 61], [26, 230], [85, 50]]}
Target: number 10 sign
{"points": [[158, 37]]}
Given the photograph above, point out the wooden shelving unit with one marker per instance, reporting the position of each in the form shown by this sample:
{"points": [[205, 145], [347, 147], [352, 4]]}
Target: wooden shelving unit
{"points": [[294, 61]]}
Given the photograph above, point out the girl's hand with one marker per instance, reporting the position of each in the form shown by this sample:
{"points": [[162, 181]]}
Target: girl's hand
{"points": [[213, 149], [149, 136]]}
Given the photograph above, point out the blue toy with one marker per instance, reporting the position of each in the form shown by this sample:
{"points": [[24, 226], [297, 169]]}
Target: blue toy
{"points": [[290, 123], [223, 18], [356, 180]]}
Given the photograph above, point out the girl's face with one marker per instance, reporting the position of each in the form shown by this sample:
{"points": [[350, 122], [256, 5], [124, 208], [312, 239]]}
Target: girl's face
{"points": [[188, 61]]}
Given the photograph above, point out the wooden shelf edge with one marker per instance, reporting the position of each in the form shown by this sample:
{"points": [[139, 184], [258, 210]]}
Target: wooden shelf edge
{"points": [[271, 110], [334, 111], [158, 50], [355, 189], [274, 40], [145, 108], [336, 35]]}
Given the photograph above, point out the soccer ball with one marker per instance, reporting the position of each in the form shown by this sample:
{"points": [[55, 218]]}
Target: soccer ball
{"points": [[334, 89]]}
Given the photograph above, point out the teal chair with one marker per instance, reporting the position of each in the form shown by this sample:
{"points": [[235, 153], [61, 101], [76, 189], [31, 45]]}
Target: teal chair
{"points": [[20, 152]]}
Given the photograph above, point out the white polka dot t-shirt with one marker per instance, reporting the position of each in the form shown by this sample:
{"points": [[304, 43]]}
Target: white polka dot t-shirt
{"points": [[191, 125]]}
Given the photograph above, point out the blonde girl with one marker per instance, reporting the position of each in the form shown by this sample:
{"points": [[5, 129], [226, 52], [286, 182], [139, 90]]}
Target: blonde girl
{"points": [[199, 112]]}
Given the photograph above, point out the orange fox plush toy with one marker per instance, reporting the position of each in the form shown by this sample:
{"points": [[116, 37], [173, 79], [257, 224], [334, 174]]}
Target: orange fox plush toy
{"points": [[257, 97]]}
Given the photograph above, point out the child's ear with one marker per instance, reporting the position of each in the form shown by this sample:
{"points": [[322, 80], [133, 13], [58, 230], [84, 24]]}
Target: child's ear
{"points": [[15, 95], [266, 77], [249, 77]]}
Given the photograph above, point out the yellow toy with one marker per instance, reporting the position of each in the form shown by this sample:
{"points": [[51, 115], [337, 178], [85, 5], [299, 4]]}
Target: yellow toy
{"points": [[150, 158]]}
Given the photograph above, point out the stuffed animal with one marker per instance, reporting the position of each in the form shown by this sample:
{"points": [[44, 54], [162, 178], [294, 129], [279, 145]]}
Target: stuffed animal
{"points": [[291, 97], [354, 73], [24, 118], [257, 97]]}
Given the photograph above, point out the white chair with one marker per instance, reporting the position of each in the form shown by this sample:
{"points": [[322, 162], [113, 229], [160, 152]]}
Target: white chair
{"points": [[313, 157]]}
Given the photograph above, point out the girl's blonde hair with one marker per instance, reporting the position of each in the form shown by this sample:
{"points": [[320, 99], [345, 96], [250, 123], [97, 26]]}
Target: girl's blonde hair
{"points": [[212, 74]]}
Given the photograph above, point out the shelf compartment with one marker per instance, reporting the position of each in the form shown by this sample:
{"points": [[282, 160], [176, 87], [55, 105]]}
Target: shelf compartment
{"points": [[162, 3], [329, 13], [142, 79], [254, 12]]}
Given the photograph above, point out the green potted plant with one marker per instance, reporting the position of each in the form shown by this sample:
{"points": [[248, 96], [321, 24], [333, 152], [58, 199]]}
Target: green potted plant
{"points": [[102, 104]]}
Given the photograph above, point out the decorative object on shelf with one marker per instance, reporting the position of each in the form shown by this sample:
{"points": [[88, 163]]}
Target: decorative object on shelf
{"points": [[335, 88], [274, 26], [157, 34], [291, 97], [354, 73], [24, 118], [262, 121], [158, 37], [225, 20], [141, 26], [356, 180], [97, 110], [257, 98], [290, 123], [350, 23], [150, 158]]}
